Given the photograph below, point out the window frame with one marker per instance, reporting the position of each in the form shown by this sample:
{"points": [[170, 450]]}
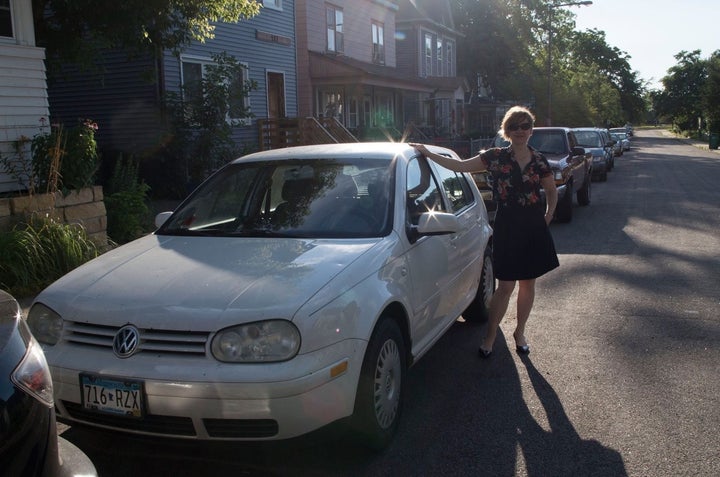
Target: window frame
{"points": [[334, 18], [204, 62], [273, 4], [10, 19], [377, 32]]}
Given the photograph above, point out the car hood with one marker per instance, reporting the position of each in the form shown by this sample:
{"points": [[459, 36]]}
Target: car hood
{"points": [[190, 282], [557, 161]]}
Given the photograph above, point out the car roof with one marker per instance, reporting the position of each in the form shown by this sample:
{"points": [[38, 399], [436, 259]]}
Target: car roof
{"points": [[378, 150]]}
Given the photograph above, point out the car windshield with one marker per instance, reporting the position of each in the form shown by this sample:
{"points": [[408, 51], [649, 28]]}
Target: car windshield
{"points": [[588, 139], [321, 198], [548, 142]]}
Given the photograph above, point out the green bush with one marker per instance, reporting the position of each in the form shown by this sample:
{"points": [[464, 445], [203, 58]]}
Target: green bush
{"points": [[65, 159], [126, 203], [34, 255]]}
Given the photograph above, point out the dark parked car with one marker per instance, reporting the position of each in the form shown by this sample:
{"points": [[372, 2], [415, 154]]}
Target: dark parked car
{"points": [[598, 143], [29, 444], [572, 166]]}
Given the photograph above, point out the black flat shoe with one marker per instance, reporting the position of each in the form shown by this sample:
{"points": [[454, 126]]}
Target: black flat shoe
{"points": [[525, 349], [484, 353]]}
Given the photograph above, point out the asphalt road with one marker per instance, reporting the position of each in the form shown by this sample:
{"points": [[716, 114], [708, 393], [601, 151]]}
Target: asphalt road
{"points": [[622, 378]]}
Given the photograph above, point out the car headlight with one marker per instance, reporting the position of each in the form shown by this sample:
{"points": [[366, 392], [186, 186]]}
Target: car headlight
{"points": [[558, 175], [259, 342], [45, 324], [33, 375]]}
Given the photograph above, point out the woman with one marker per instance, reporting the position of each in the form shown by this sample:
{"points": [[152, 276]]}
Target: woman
{"points": [[523, 248]]}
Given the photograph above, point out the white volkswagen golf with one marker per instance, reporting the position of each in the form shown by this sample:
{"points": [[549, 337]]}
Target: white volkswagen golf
{"points": [[293, 288]]}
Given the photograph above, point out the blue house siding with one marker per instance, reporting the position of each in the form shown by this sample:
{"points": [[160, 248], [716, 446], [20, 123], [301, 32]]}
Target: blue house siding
{"points": [[123, 99], [265, 43]]}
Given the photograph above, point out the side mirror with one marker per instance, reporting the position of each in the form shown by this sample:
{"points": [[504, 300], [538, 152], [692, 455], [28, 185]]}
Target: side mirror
{"points": [[578, 151], [161, 218], [437, 223]]}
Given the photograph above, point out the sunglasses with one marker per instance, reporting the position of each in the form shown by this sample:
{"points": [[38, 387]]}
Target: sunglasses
{"points": [[523, 126]]}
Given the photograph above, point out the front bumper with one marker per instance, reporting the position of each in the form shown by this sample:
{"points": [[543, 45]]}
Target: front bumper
{"points": [[213, 407]]}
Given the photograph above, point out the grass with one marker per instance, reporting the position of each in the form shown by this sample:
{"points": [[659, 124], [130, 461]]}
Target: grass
{"points": [[34, 255]]}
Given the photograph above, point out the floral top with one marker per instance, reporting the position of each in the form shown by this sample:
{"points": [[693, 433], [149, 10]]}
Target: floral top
{"points": [[512, 186]]}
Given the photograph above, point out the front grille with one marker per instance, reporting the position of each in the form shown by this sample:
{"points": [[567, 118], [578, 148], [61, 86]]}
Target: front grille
{"points": [[156, 341], [167, 425], [241, 428]]}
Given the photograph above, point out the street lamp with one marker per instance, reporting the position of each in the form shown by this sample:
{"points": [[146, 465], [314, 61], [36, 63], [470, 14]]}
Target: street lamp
{"points": [[551, 7]]}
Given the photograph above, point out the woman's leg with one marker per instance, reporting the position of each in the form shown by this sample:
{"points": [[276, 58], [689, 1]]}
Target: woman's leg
{"points": [[525, 300], [498, 307]]}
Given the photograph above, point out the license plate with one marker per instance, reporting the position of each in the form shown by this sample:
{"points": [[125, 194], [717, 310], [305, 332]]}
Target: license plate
{"points": [[113, 396]]}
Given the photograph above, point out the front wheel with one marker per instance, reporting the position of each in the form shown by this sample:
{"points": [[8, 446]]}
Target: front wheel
{"points": [[378, 402], [583, 195]]}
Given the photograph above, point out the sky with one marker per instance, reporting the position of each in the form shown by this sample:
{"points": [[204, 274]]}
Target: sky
{"points": [[652, 32]]}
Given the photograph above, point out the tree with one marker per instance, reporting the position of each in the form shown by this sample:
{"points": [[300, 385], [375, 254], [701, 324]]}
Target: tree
{"points": [[76, 31], [681, 100], [711, 93]]}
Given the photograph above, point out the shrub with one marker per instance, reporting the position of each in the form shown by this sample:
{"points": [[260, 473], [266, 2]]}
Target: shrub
{"points": [[34, 255], [125, 202], [65, 159]]}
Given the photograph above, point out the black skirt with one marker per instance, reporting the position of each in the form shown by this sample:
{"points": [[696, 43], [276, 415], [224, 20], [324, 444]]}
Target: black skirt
{"points": [[522, 245]]}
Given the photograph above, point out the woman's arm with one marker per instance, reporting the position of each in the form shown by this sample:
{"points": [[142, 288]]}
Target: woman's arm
{"points": [[474, 164], [551, 196]]}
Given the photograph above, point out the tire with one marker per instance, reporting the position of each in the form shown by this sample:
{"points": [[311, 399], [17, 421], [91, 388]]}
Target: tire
{"points": [[378, 402], [478, 310], [583, 195], [563, 213]]}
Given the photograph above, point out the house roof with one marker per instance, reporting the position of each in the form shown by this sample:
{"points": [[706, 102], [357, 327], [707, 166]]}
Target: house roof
{"points": [[334, 69]]}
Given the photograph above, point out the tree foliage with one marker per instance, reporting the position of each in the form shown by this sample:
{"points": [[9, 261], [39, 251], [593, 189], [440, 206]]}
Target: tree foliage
{"points": [[508, 45], [681, 99], [75, 31], [711, 93]]}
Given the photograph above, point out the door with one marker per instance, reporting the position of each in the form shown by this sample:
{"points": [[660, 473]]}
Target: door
{"points": [[276, 95]]}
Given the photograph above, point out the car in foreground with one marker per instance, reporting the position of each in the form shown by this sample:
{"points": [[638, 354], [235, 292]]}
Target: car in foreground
{"points": [[598, 143], [292, 289], [571, 164], [29, 442]]}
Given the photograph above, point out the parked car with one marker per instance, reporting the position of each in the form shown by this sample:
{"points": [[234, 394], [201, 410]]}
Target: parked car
{"points": [[599, 144], [292, 289], [29, 441], [621, 135], [572, 166]]}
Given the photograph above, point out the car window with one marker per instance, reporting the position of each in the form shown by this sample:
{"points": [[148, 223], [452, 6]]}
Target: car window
{"points": [[588, 139], [455, 187], [548, 142], [319, 198], [422, 193]]}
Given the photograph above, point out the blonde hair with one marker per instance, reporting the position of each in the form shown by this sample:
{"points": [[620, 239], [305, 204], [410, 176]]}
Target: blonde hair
{"points": [[515, 115]]}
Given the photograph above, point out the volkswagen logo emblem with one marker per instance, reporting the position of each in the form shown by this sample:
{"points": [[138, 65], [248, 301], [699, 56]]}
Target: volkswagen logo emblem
{"points": [[126, 341]]}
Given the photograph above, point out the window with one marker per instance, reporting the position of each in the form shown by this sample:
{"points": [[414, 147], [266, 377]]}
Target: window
{"points": [[439, 56], [334, 18], [456, 188], [428, 54], [274, 4], [331, 104], [6, 26], [422, 191], [193, 72], [378, 42], [449, 59]]}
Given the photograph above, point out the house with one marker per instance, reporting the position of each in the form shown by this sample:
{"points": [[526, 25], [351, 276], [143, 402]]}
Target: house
{"points": [[124, 94], [23, 91], [378, 66]]}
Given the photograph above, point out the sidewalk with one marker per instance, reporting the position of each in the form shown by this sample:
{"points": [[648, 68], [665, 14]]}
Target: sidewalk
{"points": [[704, 145]]}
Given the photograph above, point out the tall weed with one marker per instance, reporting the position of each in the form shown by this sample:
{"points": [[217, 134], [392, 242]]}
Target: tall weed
{"points": [[34, 255]]}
